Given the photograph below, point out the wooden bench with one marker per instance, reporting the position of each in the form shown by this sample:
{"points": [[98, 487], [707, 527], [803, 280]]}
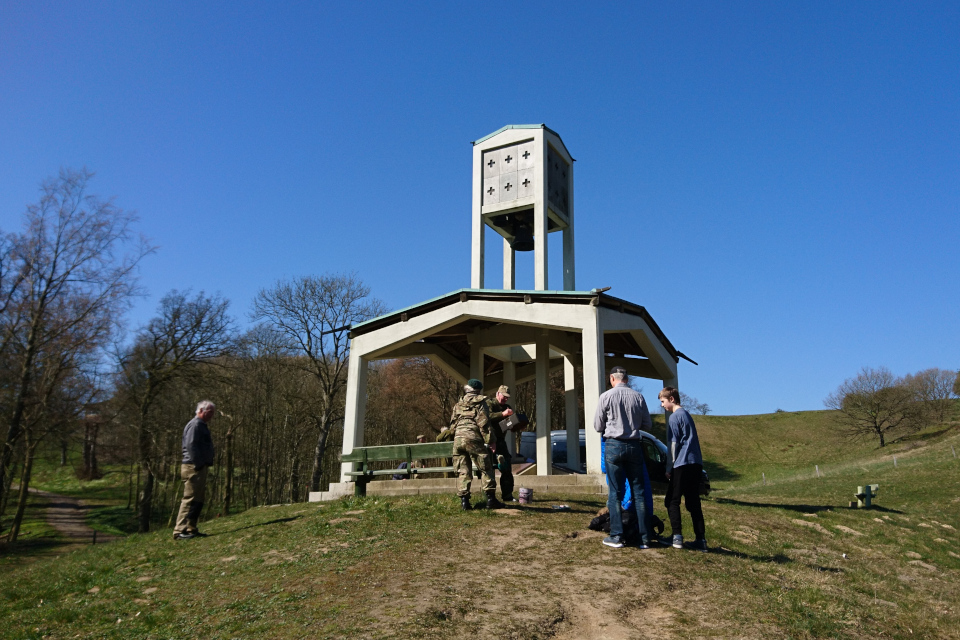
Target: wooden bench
{"points": [[363, 456]]}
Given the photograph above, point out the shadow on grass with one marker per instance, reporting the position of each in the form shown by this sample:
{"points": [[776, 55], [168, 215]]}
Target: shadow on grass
{"points": [[251, 526], [799, 508], [28, 549], [777, 558], [719, 473]]}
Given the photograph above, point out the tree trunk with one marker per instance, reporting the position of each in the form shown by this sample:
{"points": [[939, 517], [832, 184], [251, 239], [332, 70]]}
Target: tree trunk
{"points": [[90, 465], [15, 426], [318, 456], [130, 488], [882, 443], [63, 452], [146, 500], [294, 481], [228, 485], [24, 488]]}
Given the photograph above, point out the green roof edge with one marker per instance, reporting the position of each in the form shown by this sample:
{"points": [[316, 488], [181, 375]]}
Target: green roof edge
{"points": [[466, 290], [517, 126]]}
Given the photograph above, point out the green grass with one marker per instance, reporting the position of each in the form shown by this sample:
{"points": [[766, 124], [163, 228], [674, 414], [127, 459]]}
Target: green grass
{"points": [[421, 568], [37, 539]]}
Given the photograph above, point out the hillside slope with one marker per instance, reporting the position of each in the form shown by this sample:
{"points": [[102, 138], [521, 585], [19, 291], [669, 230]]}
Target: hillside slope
{"points": [[788, 560]]}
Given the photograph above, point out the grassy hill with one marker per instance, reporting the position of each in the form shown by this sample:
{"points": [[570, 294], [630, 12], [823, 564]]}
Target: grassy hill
{"points": [[788, 560]]}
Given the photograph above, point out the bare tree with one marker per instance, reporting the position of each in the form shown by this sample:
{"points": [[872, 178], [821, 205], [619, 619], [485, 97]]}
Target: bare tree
{"points": [[66, 279], [187, 333], [934, 388], [693, 405], [874, 403], [312, 315]]}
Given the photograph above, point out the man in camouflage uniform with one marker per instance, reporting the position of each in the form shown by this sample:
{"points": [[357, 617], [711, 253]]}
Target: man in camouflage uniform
{"points": [[498, 410], [472, 433]]}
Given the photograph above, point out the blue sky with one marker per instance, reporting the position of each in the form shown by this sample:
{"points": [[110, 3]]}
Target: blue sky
{"points": [[777, 183]]}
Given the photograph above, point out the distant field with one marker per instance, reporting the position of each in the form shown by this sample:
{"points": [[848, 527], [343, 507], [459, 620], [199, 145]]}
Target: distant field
{"points": [[421, 568]]}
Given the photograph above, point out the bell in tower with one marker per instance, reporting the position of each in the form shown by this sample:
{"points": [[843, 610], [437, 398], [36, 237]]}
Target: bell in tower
{"points": [[523, 190]]}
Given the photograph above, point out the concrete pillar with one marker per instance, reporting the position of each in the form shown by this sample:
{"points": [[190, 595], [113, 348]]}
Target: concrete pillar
{"points": [[355, 410], [544, 446], [477, 226], [541, 282], [476, 356], [510, 379], [572, 412], [569, 271], [594, 383], [509, 266]]}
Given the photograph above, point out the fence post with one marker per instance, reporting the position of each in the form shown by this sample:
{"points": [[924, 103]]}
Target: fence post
{"points": [[894, 462], [818, 469], [765, 476]]}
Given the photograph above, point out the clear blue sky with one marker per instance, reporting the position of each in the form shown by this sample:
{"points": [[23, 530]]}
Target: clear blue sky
{"points": [[777, 183]]}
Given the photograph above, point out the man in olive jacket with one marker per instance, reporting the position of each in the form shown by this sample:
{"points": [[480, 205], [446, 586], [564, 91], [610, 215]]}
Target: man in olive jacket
{"points": [[498, 410], [197, 459]]}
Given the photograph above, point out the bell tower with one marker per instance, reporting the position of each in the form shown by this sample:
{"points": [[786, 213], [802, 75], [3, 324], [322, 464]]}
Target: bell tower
{"points": [[523, 190]]}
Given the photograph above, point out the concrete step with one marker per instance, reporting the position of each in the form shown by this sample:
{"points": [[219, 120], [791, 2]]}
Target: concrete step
{"points": [[559, 485]]}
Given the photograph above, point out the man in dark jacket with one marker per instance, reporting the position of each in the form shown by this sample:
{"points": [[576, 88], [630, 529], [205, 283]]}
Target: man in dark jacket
{"points": [[498, 410], [197, 458]]}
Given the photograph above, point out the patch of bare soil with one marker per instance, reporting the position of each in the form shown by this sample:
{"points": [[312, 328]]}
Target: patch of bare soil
{"points": [[69, 517], [510, 578]]}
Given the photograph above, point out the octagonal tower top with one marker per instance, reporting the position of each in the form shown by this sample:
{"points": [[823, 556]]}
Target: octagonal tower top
{"points": [[523, 190]]}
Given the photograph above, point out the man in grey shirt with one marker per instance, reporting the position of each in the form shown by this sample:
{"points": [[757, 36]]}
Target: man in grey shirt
{"points": [[197, 459], [621, 414]]}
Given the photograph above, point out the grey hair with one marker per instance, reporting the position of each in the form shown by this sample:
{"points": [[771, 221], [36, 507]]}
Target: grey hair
{"points": [[203, 405], [468, 389], [620, 376]]}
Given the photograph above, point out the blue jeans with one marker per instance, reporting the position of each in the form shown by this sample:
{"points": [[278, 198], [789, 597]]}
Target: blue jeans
{"points": [[624, 461]]}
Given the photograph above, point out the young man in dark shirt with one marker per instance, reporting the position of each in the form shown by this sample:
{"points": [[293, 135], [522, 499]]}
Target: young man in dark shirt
{"points": [[684, 469]]}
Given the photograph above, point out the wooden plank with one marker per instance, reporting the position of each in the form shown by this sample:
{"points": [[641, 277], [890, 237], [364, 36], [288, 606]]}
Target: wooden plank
{"points": [[400, 452], [434, 470], [432, 450], [389, 452]]}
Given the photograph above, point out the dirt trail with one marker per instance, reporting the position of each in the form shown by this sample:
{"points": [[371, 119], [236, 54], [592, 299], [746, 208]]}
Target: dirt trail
{"points": [[68, 516]]}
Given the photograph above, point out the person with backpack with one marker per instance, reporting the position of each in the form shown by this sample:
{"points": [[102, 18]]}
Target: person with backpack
{"points": [[470, 421]]}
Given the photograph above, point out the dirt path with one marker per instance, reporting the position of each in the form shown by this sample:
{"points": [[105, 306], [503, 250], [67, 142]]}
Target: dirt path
{"points": [[68, 516]]}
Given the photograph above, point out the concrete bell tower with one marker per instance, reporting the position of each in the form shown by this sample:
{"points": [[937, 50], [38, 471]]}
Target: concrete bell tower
{"points": [[523, 190]]}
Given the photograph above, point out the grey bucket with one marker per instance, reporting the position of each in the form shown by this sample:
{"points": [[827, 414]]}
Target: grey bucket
{"points": [[526, 496]]}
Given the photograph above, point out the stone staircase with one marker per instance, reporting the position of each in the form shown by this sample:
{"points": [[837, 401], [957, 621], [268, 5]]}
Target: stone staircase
{"points": [[569, 484]]}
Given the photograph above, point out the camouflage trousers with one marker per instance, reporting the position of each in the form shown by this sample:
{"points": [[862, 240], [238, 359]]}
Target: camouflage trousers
{"points": [[469, 445]]}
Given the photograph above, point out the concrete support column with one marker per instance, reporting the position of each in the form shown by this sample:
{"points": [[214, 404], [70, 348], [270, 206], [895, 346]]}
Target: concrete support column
{"points": [[510, 379], [573, 413], [594, 383], [569, 279], [356, 408], [544, 446], [477, 226], [476, 357], [509, 266], [540, 226]]}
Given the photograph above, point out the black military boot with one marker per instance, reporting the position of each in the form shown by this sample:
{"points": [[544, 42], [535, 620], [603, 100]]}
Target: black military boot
{"points": [[493, 503], [508, 497], [465, 503]]}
